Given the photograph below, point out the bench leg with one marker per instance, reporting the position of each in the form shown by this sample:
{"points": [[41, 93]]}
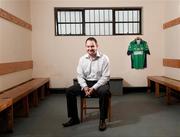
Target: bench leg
{"points": [[168, 96], [7, 120], [10, 119], [26, 106], [24, 111], [157, 94], [35, 98], [42, 92], [149, 86], [47, 89]]}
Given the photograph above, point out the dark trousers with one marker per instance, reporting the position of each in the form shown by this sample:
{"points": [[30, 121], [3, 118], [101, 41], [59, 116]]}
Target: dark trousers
{"points": [[102, 92]]}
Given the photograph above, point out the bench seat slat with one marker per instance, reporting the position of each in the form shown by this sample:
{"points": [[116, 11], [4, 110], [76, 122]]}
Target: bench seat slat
{"points": [[5, 103]]}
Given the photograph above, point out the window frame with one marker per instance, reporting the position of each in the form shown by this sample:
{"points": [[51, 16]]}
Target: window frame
{"points": [[56, 9]]}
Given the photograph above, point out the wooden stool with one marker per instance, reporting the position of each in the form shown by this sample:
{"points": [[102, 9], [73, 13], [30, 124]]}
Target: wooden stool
{"points": [[84, 107]]}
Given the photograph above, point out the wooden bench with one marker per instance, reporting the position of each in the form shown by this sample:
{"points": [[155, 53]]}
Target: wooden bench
{"points": [[170, 84], [25, 94]]}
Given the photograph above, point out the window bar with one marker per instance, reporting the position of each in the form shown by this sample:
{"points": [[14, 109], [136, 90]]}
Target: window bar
{"points": [[138, 21], [80, 23], [132, 21], [114, 22], [60, 29], [119, 24], [123, 21], [75, 22], [58, 16], [128, 22], [118, 12], [89, 23], [99, 21], [104, 20], [65, 24], [109, 23], [57, 24], [105, 27], [140, 31], [94, 24], [70, 22], [61, 32], [83, 23]]}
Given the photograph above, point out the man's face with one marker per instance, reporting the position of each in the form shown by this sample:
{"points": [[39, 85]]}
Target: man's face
{"points": [[91, 48]]}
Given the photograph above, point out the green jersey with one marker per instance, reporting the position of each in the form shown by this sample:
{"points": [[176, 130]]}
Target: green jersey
{"points": [[138, 52]]}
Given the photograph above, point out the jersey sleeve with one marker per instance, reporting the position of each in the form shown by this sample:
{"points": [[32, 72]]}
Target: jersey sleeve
{"points": [[130, 51], [146, 49]]}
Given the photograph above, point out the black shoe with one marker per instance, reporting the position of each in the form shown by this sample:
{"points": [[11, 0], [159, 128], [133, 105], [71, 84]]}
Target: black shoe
{"points": [[102, 125], [71, 122]]}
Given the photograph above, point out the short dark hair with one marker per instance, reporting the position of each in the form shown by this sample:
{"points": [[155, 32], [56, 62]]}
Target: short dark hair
{"points": [[91, 39]]}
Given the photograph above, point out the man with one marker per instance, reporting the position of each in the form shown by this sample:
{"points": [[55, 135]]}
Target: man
{"points": [[93, 76]]}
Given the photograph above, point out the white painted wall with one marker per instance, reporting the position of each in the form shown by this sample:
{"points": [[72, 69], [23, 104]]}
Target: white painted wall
{"points": [[172, 38], [15, 42], [57, 57]]}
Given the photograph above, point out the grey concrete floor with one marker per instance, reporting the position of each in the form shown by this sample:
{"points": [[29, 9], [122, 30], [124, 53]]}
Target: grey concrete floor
{"points": [[133, 115]]}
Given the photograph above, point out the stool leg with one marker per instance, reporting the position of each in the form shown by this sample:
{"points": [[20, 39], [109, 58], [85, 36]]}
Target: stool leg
{"points": [[82, 104], [83, 108], [109, 110]]}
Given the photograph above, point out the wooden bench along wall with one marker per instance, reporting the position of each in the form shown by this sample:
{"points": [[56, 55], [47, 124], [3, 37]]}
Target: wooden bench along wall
{"points": [[170, 84], [37, 88], [26, 94]]}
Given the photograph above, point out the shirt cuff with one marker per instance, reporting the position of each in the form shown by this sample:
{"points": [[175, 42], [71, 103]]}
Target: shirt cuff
{"points": [[83, 86], [95, 87]]}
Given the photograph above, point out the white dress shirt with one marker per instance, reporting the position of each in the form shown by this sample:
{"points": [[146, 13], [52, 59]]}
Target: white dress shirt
{"points": [[96, 69]]}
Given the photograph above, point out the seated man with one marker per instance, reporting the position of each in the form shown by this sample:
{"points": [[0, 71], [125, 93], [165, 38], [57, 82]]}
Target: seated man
{"points": [[93, 76]]}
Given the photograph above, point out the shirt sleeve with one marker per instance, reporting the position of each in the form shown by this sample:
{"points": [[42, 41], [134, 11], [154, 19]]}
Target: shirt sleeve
{"points": [[129, 52], [105, 74], [146, 49], [80, 75]]}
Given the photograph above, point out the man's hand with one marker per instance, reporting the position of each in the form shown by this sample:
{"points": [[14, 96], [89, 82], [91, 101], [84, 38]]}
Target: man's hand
{"points": [[91, 90], [86, 90]]}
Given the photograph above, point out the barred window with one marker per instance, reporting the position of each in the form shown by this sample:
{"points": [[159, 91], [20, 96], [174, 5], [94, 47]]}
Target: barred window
{"points": [[69, 22], [127, 22], [97, 21]]}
